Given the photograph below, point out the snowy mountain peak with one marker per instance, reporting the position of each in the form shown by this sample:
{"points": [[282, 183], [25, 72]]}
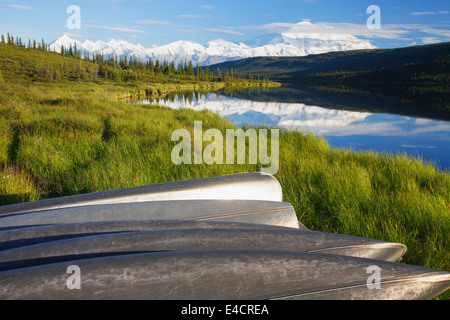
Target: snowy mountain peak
{"points": [[300, 40], [65, 41]]}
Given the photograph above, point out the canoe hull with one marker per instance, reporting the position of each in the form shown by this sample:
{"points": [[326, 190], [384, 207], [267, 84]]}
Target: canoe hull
{"points": [[245, 211], [198, 239], [28, 235], [229, 275], [244, 186]]}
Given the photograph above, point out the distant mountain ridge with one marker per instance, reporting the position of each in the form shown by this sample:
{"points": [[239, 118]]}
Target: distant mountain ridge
{"points": [[289, 43], [416, 63]]}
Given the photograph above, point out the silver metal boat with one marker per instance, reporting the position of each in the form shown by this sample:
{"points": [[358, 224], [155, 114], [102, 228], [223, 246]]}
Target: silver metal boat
{"points": [[198, 239], [225, 274], [21, 236], [250, 211], [244, 186]]}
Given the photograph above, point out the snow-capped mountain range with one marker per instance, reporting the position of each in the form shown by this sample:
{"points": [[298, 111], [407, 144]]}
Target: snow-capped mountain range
{"points": [[289, 43]]}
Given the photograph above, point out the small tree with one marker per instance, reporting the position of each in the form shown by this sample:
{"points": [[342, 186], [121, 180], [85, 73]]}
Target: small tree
{"points": [[190, 68], [95, 71], [197, 70], [219, 73]]}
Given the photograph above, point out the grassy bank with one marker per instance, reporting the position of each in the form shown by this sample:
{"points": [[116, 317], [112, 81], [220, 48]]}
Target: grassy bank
{"points": [[65, 138]]}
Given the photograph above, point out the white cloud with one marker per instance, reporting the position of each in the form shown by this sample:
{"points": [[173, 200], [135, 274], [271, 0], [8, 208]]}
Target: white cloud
{"points": [[193, 16], [430, 40], [122, 29], [328, 30], [19, 7], [207, 7], [217, 30], [212, 30], [160, 22], [422, 13], [417, 146], [337, 30], [73, 35], [436, 32]]}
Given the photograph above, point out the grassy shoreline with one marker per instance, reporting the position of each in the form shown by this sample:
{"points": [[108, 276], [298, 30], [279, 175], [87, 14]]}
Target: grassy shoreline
{"points": [[65, 138]]}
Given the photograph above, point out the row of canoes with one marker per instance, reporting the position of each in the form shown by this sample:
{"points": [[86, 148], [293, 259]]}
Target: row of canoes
{"points": [[227, 237]]}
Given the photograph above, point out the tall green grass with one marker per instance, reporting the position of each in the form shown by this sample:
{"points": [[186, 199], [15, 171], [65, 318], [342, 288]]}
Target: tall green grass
{"points": [[381, 196]]}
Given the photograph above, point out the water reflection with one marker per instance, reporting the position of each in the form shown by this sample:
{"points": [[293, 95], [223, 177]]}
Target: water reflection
{"points": [[359, 130]]}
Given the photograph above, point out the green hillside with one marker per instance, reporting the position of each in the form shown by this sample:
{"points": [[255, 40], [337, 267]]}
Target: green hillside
{"points": [[20, 64], [418, 63]]}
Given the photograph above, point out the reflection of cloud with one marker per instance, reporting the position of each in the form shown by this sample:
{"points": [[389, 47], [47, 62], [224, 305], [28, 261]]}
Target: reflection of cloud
{"points": [[318, 120], [350, 129], [417, 146]]}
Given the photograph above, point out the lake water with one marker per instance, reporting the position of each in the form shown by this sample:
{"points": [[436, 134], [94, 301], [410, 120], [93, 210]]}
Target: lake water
{"points": [[342, 126]]}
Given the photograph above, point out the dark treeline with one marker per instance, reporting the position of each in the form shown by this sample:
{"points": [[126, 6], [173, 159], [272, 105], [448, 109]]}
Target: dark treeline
{"points": [[413, 66], [112, 67]]}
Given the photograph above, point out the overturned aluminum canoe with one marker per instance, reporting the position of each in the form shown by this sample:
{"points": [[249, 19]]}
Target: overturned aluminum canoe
{"points": [[249, 211], [245, 186], [22, 236], [198, 239], [230, 275]]}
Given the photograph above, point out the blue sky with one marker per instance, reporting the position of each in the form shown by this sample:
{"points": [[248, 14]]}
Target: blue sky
{"points": [[158, 22]]}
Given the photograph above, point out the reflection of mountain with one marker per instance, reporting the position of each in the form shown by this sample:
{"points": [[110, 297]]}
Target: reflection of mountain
{"points": [[254, 118], [419, 75], [288, 115], [323, 121], [350, 99]]}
